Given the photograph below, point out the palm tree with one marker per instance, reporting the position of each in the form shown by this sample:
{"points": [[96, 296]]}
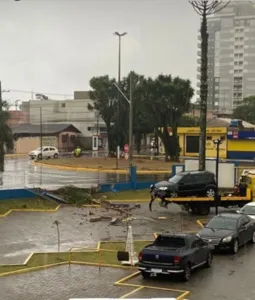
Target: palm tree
{"points": [[6, 137]]}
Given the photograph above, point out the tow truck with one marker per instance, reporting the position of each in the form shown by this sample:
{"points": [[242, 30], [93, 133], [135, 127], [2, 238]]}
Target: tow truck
{"points": [[202, 205]]}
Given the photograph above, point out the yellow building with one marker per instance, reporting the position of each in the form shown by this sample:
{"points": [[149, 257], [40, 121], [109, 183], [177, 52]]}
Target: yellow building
{"points": [[189, 141]]}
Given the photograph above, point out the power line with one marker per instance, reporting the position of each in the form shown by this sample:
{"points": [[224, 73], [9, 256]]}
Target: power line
{"points": [[33, 92]]}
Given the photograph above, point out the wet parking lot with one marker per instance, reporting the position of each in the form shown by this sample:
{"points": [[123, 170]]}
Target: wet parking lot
{"points": [[25, 232], [231, 276]]}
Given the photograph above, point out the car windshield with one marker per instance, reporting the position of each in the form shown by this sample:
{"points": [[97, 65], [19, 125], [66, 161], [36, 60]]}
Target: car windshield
{"points": [[176, 178], [38, 149], [170, 241], [222, 223], [248, 210]]}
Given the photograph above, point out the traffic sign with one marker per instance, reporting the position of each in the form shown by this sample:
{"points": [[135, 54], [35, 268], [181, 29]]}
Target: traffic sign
{"points": [[126, 148]]}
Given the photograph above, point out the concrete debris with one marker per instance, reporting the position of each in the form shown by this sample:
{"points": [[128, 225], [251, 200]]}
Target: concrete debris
{"points": [[91, 213], [95, 219], [114, 221]]}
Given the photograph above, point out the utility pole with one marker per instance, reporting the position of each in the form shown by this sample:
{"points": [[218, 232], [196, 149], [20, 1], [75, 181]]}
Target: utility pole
{"points": [[41, 132], [204, 8], [130, 102], [120, 35], [217, 143], [1, 139], [131, 122]]}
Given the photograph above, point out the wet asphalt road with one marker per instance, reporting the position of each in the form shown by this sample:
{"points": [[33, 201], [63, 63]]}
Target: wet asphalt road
{"points": [[20, 172]]}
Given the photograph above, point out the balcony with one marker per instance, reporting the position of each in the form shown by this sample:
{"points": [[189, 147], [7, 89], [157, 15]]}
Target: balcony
{"points": [[199, 61], [199, 45], [199, 53]]}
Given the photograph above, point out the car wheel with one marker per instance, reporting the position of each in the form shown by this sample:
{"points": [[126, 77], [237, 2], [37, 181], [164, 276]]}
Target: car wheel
{"points": [[235, 246], [252, 241], [186, 273], [39, 156], [208, 263], [55, 156], [210, 192], [145, 275], [173, 195]]}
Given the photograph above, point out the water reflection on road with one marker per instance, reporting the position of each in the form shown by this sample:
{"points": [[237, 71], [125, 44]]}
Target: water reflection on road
{"points": [[20, 172]]}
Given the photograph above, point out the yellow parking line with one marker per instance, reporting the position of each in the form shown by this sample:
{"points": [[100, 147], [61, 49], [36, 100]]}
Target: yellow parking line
{"points": [[132, 292]]}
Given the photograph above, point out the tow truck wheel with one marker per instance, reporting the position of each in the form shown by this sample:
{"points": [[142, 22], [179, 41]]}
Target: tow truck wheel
{"points": [[145, 275], [203, 210]]}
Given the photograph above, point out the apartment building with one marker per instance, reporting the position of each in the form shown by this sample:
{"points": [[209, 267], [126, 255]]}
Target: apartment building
{"points": [[231, 56]]}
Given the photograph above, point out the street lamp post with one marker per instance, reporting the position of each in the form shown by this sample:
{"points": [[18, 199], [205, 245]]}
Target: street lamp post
{"points": [[130, 102], [41, 132], [119, 35], [217, 143]]}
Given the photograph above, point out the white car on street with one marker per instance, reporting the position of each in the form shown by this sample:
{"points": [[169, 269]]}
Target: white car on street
{"points": [[44, 153], [248, 209]]}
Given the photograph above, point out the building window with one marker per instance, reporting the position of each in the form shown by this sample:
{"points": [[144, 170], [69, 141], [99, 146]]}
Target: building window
{"points": [[64, 138], [63, 105], [209, 138], [240, 62]]}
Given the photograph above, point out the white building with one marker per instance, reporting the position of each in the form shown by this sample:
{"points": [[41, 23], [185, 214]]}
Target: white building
{"points": [[231, 56], [74, 111]]}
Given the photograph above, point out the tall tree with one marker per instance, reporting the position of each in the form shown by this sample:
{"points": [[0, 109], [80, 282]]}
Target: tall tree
{"points": [[104, 95], [165, 100], [141, 122], [6, 138], [204, 8], [246, 111]]}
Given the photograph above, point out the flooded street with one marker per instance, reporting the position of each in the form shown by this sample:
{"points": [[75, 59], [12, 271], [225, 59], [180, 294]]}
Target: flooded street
{"points": [[20, 172]]}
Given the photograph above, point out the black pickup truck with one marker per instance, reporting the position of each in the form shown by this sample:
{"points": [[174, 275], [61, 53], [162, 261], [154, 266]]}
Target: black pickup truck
{"points": [[175, 254]]}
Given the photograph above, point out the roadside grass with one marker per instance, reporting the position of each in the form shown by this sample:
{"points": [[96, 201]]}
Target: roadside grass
{"points": [[125, 195], [110, 163], [26, 203], [106, 257]]}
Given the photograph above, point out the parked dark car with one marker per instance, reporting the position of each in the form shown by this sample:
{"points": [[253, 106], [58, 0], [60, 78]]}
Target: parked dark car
{"points": [[191, 183], [229, 231], [175, 254]]}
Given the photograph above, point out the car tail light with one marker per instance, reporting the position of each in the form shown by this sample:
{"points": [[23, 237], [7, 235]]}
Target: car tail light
{"points": [[177, 259], [140, 256]]}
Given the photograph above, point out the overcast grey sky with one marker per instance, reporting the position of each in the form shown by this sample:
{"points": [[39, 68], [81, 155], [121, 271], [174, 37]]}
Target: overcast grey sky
{"points": [[56, 46]]}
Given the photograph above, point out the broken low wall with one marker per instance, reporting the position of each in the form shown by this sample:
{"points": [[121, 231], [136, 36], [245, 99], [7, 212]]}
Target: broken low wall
{"points": [[15, 194]]}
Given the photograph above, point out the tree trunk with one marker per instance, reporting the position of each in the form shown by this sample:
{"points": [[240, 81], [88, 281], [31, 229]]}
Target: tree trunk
{"points": [[138, 137], [203, 90]]}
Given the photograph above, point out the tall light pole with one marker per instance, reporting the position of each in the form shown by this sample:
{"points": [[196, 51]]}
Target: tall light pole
{"points": [[130, 102], [217, 143], [205, 8], [119, 35]]}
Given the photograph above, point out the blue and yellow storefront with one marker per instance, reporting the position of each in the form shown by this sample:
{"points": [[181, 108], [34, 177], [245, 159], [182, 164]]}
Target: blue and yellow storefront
{"points": [[189, 141], [241, 145]]}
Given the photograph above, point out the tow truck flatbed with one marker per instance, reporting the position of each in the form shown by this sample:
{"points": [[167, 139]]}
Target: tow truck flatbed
{"points": [[202, 205]]}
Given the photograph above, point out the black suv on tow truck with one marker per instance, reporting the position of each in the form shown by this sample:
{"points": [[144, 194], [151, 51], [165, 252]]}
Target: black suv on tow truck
{"points": [[175, 254], [185, 184]]}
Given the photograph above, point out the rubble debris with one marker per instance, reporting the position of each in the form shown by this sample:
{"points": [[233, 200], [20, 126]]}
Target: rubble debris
{"points": [[114, 221], [95, 219], [91, 213]]}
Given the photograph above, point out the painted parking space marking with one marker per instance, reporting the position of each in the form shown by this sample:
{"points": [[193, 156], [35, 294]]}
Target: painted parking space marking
{"points": [[182, 294]]}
